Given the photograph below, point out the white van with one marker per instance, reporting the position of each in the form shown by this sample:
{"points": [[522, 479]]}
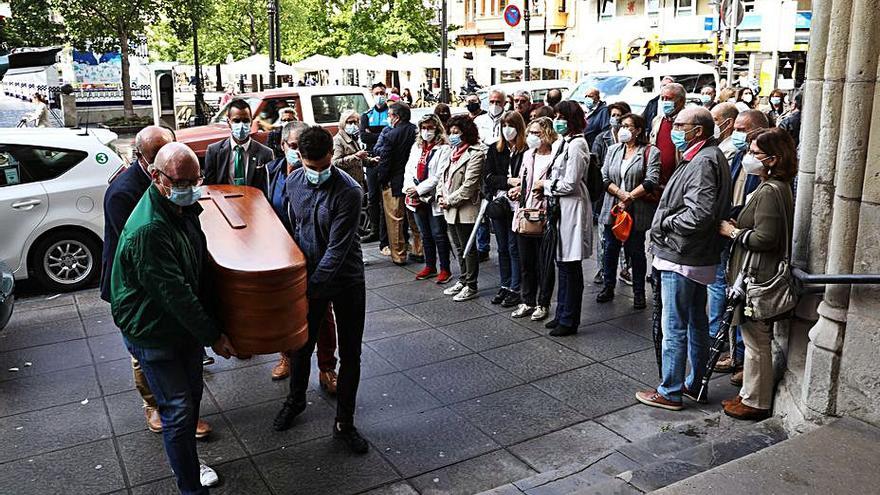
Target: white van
{"points": [[637, 86]]}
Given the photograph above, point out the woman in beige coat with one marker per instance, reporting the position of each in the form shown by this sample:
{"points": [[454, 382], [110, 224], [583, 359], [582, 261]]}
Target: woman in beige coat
{"points": [[763, 231], [458, 195], [348, 152]]}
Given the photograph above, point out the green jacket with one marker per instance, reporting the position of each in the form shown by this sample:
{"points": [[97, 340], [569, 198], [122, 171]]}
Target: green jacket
{"points": [[156, 274]]}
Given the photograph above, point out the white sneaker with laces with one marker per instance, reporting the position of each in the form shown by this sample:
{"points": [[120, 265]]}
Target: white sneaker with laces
{"points": [[455, 289], [466, 294], [522, 311], [539, 314], [208, 476]]}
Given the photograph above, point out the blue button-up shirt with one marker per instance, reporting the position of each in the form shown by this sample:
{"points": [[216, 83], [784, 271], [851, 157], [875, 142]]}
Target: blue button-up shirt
{"points": [[324, 222]]}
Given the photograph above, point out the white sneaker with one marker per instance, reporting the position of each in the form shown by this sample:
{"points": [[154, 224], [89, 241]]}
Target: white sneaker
{"points": [[466, 294], [455, 289], [539, 314], [522, 311], [208, 476]]}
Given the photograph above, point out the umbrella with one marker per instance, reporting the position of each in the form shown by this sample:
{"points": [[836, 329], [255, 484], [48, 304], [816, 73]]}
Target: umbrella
{"points": [[657, 319], [549, 245]]}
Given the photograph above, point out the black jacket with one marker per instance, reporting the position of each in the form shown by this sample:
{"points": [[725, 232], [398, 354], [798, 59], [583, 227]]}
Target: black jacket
{"points": [[598, 121], [121, 197], [217, 165], [393, 148], [373, 122], [649, 113], [499, 166]]}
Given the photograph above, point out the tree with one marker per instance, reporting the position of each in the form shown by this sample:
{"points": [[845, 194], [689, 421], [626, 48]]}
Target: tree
{"points": [[31, 24], [108, 24]]}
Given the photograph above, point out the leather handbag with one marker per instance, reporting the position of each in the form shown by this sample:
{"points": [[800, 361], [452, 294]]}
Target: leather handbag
{"points": [[499, 208], [776, 298], [531, 222], [623, 223]]}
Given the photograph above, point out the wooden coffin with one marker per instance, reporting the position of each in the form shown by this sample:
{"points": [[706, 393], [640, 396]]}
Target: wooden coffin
{"points": [[259, 273]]}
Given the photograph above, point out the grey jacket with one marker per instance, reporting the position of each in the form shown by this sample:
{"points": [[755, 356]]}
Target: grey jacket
{"points": [[639, 173], [696, 199]]}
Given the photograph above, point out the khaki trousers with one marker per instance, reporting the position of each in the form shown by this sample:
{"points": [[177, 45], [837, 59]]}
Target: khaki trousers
{"points": [[757, 388], [140, 383], [395, 213]]}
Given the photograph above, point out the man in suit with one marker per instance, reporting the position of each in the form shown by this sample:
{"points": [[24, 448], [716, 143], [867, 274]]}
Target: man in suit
{"points": [[238, 160]]}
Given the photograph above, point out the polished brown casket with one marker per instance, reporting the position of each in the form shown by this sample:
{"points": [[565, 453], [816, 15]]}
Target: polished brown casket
{"points": [[259, 274]]}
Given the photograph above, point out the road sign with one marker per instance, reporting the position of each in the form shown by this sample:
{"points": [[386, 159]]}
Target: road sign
{"points": [[512, 15], [727, 12]]}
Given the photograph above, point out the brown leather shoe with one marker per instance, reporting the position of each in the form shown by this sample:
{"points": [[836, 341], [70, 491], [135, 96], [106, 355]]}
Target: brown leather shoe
{"points": [[154, 422], [724, 365], [203, 428], [742, 411], [282, 369], [731, 402], [654, 399], [736, 378], [328, 381]]}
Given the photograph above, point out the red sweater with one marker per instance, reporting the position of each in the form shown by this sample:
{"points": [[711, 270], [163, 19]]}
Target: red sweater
{"points": [[668, 153]]}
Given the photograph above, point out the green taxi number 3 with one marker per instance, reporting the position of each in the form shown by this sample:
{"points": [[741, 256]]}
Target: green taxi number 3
{"points": [[101, 158]]}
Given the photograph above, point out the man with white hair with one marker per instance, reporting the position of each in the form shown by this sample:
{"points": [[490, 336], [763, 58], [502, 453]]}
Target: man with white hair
{"points": [[157, 301], [489, 123]]}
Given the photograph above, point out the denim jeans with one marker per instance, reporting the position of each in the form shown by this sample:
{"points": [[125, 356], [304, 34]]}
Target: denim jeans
{"points": [[508, 254], [483, 237], [435, 238], [685, 334], [570, 294], [634, 249], [175, 377], [718, 302]]}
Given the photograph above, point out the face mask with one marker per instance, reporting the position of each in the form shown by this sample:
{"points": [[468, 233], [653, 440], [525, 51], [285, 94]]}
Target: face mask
{"points": [[391, 121], [747, 97], [509, 132], [679, 139], [752, 165], [428, 135], [590, 103], [495, 110], [316, 178], [705, 99], [292, 157], [473, 107], [560, 126], [533, 141], [614, 121], [455, 140], [351, 129], [667, 107], [240, 130], [380, 101], [738, 139], [775, 100], [624, 135], [185, 196], [719, 128]]}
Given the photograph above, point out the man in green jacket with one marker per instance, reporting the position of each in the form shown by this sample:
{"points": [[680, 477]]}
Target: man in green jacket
{"points": [[155, 290]]}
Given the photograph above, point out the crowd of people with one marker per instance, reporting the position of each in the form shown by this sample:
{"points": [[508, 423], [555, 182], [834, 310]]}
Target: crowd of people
{"points": [[705, 188]]}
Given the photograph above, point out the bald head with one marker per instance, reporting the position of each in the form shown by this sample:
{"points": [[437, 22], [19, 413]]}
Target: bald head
{"points": [[178, 163], [148, 141], [699, 118], [724, 114], [751, 120]]}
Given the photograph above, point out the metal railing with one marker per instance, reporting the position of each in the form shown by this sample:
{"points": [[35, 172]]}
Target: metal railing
{"points": [[815, 283]]}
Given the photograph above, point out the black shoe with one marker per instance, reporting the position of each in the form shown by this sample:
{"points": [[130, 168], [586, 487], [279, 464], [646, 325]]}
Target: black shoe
{"points": [[598, 279], [606, 295], [349, 434], [484, 256], [416, 258], [552, 323], [512, 300], [500, 297], [639, 301], [371, 237], [289, 411], [207, 360], [562, 331], [694, 396]]}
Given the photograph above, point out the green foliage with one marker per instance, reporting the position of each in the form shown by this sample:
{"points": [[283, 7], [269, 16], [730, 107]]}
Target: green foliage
{"points": [[30, 25]]}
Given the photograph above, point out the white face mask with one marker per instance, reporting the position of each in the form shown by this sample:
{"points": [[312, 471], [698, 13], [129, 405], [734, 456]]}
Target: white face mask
{"points": [[428, 135], [752, 165], [509, 132], [533, 141], [495, 110], [624, 135], [747, 97]]}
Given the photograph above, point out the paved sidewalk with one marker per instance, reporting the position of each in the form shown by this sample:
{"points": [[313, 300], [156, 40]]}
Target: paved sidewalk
{"points": [[455, 398]]}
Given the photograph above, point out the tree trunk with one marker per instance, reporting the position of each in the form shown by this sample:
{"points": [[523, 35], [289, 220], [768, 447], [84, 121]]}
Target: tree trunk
{"points": [[127, 105]]}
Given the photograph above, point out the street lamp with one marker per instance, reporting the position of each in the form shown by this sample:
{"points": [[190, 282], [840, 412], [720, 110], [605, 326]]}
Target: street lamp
{"points": [[271, 9], [444, 43], [200, 113], [527, 17]]}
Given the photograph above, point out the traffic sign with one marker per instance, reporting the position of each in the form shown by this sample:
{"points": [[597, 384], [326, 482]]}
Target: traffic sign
{"points": [[512, 15], [727, 12]]}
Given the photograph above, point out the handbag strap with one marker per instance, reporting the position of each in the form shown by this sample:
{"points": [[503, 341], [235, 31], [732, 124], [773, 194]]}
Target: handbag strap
{"points": [[784, 211]]}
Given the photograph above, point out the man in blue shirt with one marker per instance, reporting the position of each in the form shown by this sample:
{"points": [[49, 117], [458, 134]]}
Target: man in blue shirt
{"points": [[324, 210], [373, 121]]}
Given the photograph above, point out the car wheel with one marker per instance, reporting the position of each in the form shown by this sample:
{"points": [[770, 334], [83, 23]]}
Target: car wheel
{"points": [[66, 261]]}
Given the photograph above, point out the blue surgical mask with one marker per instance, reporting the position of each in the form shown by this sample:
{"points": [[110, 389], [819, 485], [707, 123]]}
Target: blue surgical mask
{"points": [[560, 126], [455, 140], [241, 130], [380, 101], [775, 100], [705, 99], [185, 196], [614, 122], [679, 139], [667, 107], [351, 129], [738, 139], [590, 103], [317, 178], [292, 157]]}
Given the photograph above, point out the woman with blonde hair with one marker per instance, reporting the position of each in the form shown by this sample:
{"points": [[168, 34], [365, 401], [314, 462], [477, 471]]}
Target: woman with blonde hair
{"points": [[348, 152]]}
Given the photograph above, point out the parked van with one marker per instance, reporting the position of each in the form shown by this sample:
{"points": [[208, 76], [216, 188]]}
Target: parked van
{"points": [[637, 86]]}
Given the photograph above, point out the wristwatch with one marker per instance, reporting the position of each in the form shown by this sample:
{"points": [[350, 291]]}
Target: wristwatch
{"points": [[734, 233]]}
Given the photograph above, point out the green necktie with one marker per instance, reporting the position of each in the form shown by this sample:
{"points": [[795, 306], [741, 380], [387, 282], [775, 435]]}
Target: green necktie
{"points": [[238, 178]]}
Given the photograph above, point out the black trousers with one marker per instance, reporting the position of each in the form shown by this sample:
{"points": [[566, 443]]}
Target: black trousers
{"points": [[374, 206], [536, 286], [349, 307]]}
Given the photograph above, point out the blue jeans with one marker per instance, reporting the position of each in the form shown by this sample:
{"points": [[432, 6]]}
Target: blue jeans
{"points": [[435, 239], [570, 294], [508, 254], [685, 334], [718, 302], [634, 247], [483, 237], [175, 377]]}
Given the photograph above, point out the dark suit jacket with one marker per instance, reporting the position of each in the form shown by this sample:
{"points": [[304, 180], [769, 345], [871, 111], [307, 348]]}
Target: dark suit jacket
{"points": [[120, 199], [393, 148], [597, 122], [217, 162]]}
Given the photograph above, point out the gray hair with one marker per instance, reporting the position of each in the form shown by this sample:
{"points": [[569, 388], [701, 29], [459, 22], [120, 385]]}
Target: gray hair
{"points": [[676, 89], [522, 92], [498, 92], [292, 127], [703, 118]]}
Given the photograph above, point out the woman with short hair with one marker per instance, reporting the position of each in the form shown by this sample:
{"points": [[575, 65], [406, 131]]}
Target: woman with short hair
{"points": [[348, 152]]}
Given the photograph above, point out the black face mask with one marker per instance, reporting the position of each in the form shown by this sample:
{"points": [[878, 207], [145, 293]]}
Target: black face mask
{"points": [[473, 107]]}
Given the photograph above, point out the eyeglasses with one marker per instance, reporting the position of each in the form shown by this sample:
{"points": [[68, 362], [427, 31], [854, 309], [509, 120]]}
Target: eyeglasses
{"points": [[183, 182], [679, 125], [292, 146]]}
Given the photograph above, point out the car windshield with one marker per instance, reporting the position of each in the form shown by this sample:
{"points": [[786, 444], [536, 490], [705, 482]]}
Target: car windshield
{"points": [[608, 85], [220, 118]]}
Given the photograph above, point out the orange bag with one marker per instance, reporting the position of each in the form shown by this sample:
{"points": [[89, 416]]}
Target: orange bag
{"points": [[623, 223]]}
